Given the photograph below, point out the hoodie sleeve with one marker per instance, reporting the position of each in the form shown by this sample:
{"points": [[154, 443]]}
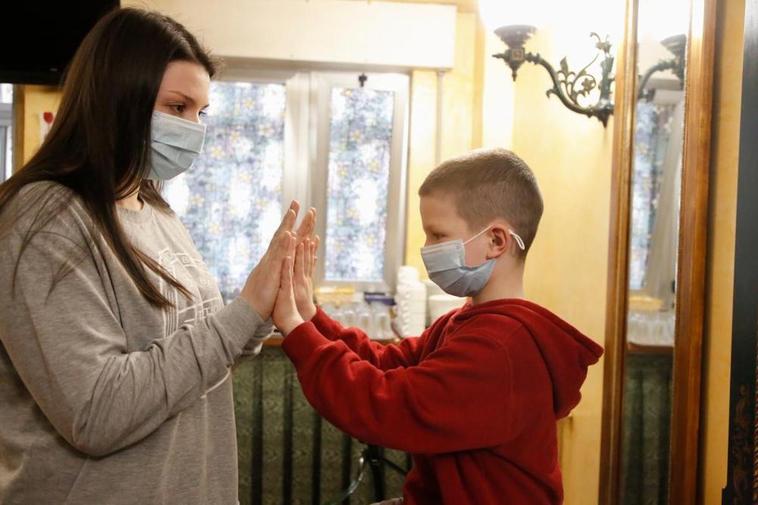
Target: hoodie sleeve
{"points": [[382, 356], [458, 398]]}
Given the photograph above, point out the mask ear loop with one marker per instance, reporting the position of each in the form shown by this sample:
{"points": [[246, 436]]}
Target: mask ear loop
{"points": [[480, 233], [518, 239]]}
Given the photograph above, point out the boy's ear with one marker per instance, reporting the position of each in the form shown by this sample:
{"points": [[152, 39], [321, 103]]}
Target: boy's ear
{"points": [[500, 241]]}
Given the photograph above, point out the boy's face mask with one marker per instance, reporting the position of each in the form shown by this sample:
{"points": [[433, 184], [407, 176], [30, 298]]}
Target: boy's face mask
{"points": [[446, 264], [175, 145]]}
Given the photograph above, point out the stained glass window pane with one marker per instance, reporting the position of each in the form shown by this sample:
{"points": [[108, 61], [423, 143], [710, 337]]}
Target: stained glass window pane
{"points": [[231, 199], [358, 181], [654, 123]]}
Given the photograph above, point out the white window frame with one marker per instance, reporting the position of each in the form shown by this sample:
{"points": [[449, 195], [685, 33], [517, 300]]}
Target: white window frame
{"points": [[306, 154]]}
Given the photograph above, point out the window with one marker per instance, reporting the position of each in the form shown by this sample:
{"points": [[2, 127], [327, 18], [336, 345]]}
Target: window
{"points": [[318, 138], [6, 131], [360, 177], [231, 200]]}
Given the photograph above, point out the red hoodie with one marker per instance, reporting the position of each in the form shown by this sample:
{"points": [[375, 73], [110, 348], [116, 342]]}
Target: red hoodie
{"points": [[475, 398]]}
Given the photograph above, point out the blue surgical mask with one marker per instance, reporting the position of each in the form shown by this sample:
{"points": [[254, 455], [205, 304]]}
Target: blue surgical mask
{"points": [[175, 145], [446, 265]]}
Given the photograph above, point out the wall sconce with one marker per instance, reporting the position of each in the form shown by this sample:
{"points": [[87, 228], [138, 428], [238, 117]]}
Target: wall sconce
{"points": [[677, 46], [568, 86]]}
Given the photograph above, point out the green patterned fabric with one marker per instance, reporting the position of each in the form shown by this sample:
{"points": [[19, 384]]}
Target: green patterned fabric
{"points": [[646, 429], [270, 408]]}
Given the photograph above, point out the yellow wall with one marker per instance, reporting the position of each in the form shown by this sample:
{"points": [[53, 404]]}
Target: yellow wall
{"points": [[477, 112], [721, 236], [567, 267], [460, 120], [34, 100]]}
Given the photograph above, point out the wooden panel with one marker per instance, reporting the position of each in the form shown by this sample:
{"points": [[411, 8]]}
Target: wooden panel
{"points": [[618, 254], [690, 303]]}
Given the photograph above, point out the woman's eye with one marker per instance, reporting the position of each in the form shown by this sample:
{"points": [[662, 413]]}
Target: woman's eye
{"points": [[178, 108], [203, 113]]}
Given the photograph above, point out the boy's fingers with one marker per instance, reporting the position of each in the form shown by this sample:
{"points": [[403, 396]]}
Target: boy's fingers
{"points": [[314, 251], [306, 256], [300, 261]]}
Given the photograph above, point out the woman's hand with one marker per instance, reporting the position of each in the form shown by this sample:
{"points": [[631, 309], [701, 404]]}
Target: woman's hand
{"points": [[305, 262], [262, 285], [305, 230], [286, 316]]}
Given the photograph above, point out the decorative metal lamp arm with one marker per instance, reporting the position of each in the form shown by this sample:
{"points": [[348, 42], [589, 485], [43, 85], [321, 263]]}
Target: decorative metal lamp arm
{"points": [[677, 46], [568, 85]]}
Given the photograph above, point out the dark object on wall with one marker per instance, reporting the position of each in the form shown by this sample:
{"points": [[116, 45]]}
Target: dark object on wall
{"points": [[39, 38], [569, 86], [742, 484]]}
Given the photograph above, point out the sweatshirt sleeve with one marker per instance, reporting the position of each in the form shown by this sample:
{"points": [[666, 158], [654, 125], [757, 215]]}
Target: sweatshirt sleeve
{"points": [[382, 356], [68, 346], [460, 397]]}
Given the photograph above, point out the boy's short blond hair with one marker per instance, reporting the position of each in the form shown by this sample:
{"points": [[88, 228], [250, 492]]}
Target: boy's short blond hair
{"points": [[488, 184]]}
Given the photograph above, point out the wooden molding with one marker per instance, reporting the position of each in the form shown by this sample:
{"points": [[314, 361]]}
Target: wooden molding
{"points": [[693, 228], [618, 253]]}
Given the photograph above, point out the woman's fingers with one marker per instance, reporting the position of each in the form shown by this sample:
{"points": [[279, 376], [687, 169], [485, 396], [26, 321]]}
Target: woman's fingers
{"points": [[307, 226], [286, 282], [288, 221]]}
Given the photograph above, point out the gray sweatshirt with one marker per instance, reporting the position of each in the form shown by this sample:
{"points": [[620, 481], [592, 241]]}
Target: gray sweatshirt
{"points": [[105, 399]]}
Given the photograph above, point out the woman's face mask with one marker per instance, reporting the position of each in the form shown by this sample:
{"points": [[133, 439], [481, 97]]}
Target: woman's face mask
{"points": [[446, 264], [175, 145]]}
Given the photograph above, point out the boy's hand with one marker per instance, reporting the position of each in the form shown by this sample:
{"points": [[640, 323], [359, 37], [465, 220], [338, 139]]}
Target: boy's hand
{"points": [[286, 317], [305, 262]]}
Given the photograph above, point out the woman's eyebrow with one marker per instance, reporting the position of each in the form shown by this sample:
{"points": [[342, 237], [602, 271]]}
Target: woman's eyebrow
{"points": [[186, 97]]}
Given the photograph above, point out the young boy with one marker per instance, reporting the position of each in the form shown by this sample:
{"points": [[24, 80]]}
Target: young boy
{"points": [[476, 397]]}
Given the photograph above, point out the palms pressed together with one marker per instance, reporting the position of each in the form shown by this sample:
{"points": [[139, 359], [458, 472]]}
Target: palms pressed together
{"points": [[294, 300]]}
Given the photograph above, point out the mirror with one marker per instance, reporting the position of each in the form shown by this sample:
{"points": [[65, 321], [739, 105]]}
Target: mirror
{"points": [[655, 181], [656, 272]]}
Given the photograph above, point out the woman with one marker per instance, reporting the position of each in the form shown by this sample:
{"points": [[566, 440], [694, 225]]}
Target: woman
{"points": [[116, 346]]}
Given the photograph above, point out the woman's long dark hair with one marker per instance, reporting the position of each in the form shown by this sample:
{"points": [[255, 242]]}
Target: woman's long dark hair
{"points": [[99, 144]]}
